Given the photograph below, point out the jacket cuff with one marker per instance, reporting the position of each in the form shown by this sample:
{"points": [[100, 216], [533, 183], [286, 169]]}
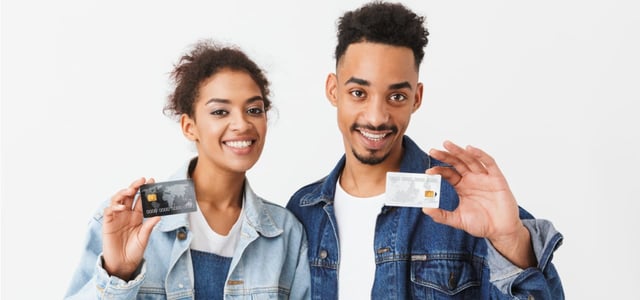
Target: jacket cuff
{"points": [[109, 287], [545, 239]]}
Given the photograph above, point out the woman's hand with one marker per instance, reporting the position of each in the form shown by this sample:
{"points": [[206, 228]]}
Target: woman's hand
{"points": [[124, 233]]}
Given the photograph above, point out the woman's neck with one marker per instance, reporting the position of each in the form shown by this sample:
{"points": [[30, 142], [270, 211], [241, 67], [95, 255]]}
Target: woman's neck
{"points": [[219, 194]]}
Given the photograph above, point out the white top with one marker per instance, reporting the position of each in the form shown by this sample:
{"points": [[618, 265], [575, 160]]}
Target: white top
{"points": [[207, 240], [356, 219]]}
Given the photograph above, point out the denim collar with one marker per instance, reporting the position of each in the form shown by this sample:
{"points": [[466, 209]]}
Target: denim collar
{"points": [[414, 160], [256, 215]]}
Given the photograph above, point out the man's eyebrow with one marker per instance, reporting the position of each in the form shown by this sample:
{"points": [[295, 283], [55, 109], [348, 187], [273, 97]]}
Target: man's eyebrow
{"points": [[401, 85], [358, 81], [395, 86]]}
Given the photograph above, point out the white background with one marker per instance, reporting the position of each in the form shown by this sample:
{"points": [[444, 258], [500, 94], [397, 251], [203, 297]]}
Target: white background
{"points": [[546, 87]]}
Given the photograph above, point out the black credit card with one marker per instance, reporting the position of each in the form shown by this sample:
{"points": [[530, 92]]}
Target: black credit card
{"points": [[168, 198]]}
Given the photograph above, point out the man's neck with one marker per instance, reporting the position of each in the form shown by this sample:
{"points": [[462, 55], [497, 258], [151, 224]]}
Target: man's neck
{"points": [[364, 180]]}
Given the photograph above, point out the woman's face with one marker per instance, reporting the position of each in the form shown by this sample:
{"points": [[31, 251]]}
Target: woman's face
{"points": [[229, 124]]}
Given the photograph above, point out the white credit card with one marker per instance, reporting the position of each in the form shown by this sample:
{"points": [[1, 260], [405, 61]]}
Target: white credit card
{"points": [[412, 189]]}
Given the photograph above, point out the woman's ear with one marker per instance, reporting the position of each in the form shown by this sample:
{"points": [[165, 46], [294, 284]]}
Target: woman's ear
{"points": [[189, 128]]}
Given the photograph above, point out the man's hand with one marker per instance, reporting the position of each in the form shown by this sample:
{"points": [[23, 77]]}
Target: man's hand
{"points": [[487, 207]]}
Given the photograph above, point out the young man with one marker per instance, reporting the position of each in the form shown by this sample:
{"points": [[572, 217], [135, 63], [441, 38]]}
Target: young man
{"points": [[478, 245]]}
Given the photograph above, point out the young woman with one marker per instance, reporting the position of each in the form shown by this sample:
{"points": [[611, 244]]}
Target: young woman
{"points": [[236, 245]]}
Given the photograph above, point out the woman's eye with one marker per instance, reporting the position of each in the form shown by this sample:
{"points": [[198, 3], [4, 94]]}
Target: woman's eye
{"points": [[255, 111], [219, 112]]}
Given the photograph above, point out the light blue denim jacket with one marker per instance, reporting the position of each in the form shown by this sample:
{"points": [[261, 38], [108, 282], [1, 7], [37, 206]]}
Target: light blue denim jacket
{"points": [[417, 258], [270, 260]]}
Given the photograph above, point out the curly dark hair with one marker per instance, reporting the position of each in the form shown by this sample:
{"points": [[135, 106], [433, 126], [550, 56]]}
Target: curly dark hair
{"points": [[205, 59], [386, 23]]}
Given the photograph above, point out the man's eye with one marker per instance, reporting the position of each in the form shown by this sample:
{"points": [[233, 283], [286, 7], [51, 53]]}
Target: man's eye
{"points": [[357, 93], [220, 112], [255, 111], [398, 97]]}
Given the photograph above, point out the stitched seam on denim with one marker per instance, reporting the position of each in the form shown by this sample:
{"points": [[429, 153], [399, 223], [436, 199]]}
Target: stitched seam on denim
{"points": [[446, 291], [262, 290], [323, 263]]}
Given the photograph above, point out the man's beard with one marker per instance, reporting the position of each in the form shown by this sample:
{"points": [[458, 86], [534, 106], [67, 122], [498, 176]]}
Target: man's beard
{"points": [[370, 160]]}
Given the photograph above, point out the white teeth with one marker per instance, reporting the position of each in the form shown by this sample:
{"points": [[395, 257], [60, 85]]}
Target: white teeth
{"points": [[238, 144], [371, 136]]}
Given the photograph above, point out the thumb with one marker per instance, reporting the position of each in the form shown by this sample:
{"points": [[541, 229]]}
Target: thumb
{"points": [[441, 216], [147, 227]]}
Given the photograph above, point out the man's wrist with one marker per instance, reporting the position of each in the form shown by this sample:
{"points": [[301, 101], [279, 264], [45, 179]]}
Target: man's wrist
{"points": [[517, 249]]}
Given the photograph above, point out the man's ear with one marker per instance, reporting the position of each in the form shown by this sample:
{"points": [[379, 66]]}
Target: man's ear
{"points": [[331, 89], [189, 128], [417, 100]]}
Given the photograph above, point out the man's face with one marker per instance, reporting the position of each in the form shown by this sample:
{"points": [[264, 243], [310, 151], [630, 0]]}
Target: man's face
{"points": [[375, 90]]}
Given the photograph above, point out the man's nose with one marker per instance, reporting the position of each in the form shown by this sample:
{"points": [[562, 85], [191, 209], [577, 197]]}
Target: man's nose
{"points": [[376, 112]]}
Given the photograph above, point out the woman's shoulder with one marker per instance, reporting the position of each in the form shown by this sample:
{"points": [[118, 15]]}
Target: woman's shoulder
{"points": [[276, 209], [280, 215]]}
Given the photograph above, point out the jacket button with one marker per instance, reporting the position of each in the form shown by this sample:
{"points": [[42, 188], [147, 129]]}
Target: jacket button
{"points": [[323, 254], [182, 235], [452, 281]]}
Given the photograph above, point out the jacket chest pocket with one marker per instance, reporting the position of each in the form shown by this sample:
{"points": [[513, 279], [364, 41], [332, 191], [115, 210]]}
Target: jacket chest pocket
{"points": [[445, 277]]}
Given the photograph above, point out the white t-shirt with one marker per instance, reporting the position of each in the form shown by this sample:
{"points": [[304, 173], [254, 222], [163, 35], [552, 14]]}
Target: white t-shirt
{"points": [[207, 240], [356, 219]]}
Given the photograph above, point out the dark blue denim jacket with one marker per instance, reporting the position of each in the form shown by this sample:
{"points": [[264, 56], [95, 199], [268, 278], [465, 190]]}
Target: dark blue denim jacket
{"points": [[417, 258]]}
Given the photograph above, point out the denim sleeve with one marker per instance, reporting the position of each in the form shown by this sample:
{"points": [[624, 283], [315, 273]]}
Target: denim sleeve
{"points": [[90, 280], [541, 282], [112, 287], [301, 287]]}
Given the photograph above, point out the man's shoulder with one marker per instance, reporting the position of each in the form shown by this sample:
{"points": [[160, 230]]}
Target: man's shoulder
{"points": [[307, 191], [306, 196]]}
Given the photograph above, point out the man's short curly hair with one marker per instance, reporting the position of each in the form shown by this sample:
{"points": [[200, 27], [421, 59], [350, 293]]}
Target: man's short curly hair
{"points": [[386, 23], [205, 59]]}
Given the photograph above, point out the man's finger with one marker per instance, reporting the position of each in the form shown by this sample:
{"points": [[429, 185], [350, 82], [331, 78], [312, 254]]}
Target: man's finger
{"points": [[449, 174], [465, 156], [442, 216]]}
